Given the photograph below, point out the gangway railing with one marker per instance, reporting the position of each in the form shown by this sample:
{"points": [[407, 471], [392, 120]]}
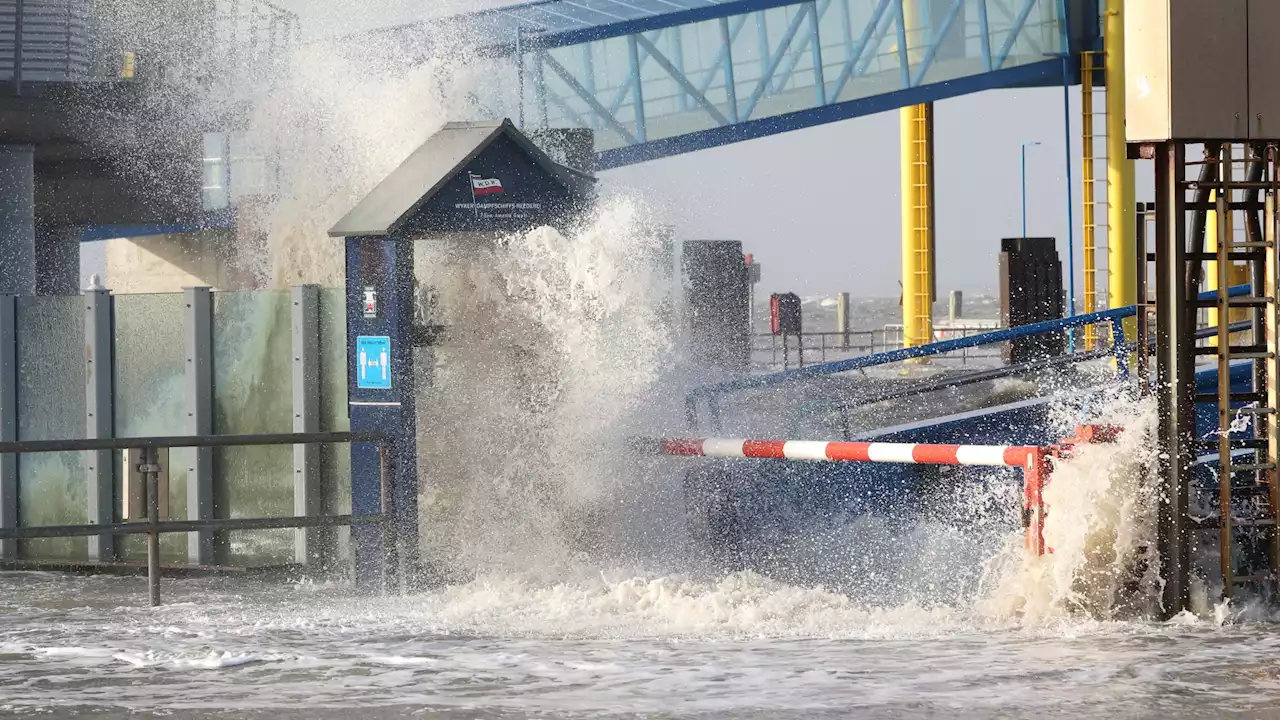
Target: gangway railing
{"points": [[1120, 349], [150, 469], [987, 375]]}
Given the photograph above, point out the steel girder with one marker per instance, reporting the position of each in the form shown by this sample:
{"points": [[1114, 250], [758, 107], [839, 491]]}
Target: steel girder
{"points": [[710, 82]]}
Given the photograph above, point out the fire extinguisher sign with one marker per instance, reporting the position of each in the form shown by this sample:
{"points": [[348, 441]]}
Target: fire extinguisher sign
{"points": [[373, 362]]}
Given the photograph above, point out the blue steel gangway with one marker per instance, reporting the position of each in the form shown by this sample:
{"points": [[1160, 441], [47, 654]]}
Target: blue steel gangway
{"points": [[655, 78], [705, 402]]}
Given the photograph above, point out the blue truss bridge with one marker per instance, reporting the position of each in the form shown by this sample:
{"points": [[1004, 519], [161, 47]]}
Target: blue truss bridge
{"points": [[655, 78]]}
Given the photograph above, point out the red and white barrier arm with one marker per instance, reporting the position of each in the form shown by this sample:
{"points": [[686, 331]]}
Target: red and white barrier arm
{"points": [[989, 455]]}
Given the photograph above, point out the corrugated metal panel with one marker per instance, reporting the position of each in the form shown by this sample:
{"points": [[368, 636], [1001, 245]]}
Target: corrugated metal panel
{"points": [[53, 45]]}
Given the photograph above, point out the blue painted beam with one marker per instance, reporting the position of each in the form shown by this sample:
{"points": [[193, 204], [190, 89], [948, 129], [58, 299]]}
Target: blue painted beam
{"points": [[213, 221], [1037, 74]]}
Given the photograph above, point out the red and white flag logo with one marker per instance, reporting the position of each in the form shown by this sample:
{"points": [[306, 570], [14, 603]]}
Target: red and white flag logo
{"points": [[485, 186]]}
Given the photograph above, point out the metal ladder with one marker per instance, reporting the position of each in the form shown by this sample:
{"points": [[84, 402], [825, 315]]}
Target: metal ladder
{"points": [[1248, 541], [1093, 141]]}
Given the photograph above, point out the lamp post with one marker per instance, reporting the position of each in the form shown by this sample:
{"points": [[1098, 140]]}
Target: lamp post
{"points": [[1025, 145]]}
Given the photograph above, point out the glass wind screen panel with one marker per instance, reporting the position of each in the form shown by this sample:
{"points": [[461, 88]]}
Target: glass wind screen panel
{"points": [[252, 351], [51, 406], [150, 376]]}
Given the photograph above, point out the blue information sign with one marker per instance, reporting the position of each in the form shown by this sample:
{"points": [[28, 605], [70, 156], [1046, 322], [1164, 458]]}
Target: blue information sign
{"points": [[373, 362]]}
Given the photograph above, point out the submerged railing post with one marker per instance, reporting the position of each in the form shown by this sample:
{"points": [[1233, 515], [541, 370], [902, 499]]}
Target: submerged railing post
{"points": [[1035, 474], [150, 469], [1118, 344]]}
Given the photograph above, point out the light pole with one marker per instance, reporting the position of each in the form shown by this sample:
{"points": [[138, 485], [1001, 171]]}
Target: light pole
{"points": [[1025, 145]]}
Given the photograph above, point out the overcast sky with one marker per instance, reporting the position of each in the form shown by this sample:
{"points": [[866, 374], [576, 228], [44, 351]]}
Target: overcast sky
{"points": [[819, 208]]}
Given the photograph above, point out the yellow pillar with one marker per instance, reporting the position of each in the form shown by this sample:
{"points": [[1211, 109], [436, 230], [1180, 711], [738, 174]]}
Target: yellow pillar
{"points": [[1089, 204], [916, 135], [1121, 248], [917, 224]]}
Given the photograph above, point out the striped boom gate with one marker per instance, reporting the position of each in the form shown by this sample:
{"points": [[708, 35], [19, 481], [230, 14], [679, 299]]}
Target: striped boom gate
{"points": [[1033, 461]]}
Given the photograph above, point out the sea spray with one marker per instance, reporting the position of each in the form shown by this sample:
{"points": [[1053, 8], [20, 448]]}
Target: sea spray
{"points": [[316, 129], [555, 346], [1102, 503], [555, 350]]}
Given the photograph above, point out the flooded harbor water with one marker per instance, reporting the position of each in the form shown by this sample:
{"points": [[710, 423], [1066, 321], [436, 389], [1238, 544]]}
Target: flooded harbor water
{"points": [[504, 648]]}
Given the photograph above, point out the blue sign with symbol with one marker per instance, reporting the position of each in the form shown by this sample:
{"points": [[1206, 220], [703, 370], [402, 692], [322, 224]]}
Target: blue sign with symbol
{"points": [[373, 362]]}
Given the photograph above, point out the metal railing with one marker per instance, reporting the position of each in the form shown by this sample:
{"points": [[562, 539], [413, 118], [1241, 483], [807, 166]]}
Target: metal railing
{"points": [[804, 349], [1121, 348], [150, 469]]}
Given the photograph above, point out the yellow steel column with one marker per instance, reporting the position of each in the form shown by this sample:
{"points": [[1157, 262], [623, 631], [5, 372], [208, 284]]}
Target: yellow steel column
{"points": [[917, 224], [1121, 249], [916, 137], [907, 146], [1089, 204]]}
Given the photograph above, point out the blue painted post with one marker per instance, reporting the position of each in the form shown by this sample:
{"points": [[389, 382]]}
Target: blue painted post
{"points": [[762, 38], [637, 93], [984, 36], [819, 80], [380, 391], [589, 79], [677, 59], [1118, 346], [540, 88], [724, 55], [904, 60], [1071, 234], [730, 85]]}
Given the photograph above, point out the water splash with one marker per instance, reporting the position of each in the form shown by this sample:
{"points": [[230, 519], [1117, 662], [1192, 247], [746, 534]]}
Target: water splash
{"points": [[1101, 525], [560, 345], [556, 346]]}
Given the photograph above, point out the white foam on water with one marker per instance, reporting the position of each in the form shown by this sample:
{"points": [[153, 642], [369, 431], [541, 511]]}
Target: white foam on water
{"points": [[214, 660]]}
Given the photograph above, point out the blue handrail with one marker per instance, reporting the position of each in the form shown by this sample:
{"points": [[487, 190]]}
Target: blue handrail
{"points": [[1115, 316]]}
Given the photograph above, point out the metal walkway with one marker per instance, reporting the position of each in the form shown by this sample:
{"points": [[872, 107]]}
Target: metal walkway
{"points": [[656, 78]]}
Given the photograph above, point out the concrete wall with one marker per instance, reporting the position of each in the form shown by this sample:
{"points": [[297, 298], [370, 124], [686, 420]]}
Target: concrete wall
{"points": [[168, 263]]}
